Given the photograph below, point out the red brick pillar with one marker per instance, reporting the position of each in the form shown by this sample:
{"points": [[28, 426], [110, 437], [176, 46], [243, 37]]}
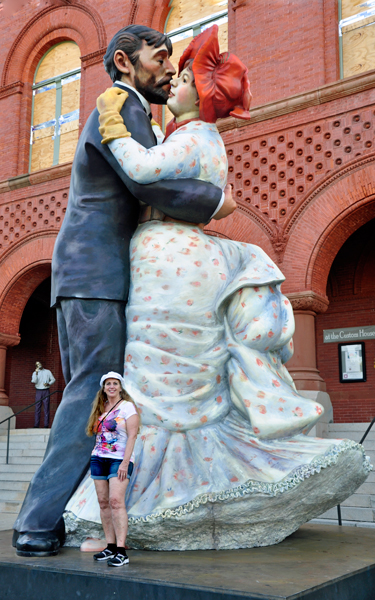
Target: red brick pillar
{"points": [[302, 366], [6, 341]]}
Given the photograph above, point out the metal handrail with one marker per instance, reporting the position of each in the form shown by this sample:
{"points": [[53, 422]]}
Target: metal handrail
{"points": [[361, 442], [17, 413]]}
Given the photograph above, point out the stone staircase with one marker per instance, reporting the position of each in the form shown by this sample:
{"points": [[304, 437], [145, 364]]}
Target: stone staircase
{"points": [[358, 509], [26, 451]]}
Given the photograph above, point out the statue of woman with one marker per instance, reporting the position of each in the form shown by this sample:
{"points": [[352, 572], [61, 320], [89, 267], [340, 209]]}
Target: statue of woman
{"points": [[223, 440]]}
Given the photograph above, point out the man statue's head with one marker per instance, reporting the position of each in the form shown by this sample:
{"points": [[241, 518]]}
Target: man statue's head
{"points": [[139, 56]]}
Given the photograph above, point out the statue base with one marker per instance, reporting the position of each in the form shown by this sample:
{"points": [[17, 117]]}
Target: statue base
{"points": [[314, 563]]}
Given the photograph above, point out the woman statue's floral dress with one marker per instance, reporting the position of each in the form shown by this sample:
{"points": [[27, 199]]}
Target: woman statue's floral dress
{"points": [[209, 332]]}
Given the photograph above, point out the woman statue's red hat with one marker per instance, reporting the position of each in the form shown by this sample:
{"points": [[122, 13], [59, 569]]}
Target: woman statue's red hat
{"points": [[221, 79]]}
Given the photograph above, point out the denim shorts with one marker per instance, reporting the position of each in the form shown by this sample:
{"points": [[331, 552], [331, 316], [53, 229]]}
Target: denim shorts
{"points": [[105, 468]]}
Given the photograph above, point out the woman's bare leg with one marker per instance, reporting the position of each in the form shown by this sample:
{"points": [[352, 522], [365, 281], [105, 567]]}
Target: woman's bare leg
{"points": [[117, 491], [102, 491]]}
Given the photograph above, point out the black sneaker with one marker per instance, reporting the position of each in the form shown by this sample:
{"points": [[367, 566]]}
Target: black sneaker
{"points": [[118, 560], [104, 554]]}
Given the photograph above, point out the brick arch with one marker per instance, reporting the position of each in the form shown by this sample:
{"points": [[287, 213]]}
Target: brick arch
{"points": [[76, 21], [339, 209], [21, 271], [161, 10], [334, 238]]}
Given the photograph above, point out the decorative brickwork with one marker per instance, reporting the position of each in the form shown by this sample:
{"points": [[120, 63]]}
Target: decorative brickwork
{"points": [[276, 176], [17, 219]]}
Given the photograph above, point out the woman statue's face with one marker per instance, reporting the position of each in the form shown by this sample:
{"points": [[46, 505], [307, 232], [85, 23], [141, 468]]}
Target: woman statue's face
{"points": [[183, 96]]}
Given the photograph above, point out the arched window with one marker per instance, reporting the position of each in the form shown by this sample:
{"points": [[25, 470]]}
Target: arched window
{"points": [[356, 36], [186, 19], [55, 112]]}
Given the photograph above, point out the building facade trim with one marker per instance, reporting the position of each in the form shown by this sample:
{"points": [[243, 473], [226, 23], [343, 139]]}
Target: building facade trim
{"points": [[22, 181], [328, 93]]}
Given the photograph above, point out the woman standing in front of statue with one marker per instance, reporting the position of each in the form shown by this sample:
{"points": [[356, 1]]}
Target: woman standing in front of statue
{"points": [[115, 421]]}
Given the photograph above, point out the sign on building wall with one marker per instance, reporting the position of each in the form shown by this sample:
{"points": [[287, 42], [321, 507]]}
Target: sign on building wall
{"points": [[352, 362], [349, 334]]}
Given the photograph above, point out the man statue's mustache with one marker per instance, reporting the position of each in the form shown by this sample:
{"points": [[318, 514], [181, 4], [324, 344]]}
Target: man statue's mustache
{"points": [[165, 81]]}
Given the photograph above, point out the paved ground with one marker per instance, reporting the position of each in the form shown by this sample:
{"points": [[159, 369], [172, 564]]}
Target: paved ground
{"points": [[6, 521], [314, 557]]}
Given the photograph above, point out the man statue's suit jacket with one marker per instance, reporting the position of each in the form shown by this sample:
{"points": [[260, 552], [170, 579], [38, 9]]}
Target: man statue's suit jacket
{"points": [[91, 255]]}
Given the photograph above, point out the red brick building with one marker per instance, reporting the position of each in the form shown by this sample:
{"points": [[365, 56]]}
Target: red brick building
{"points": [[302, 169]]}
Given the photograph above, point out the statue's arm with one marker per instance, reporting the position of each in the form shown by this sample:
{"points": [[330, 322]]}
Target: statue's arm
{"points": [[178, 158], [184, 199]]}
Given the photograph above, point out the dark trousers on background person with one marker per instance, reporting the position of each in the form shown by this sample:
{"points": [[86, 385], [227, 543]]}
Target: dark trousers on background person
{"points": [[92, 342], [42, 396]]}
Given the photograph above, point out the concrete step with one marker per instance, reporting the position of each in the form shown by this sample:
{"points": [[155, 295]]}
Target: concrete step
{"points": [[28, 431], [367, 524], [4, 469], [13, 485], [21, 452], [10, 507], [358, 500], [10, 476], [37, 446], [21, 441], [371, 477], [350, 514], [366, 488], [12, 495], [22, 460]]}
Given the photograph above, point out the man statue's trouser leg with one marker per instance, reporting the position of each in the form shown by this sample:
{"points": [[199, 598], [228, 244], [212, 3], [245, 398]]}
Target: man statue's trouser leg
{"points": [[92, 342]]}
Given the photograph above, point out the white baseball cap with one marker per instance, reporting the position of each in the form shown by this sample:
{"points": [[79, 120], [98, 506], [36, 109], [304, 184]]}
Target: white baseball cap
{"points": [[113, 375]]}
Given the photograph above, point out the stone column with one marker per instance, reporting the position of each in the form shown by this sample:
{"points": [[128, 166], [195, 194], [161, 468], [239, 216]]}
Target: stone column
{"points": [[6, 341], [302, 366]]}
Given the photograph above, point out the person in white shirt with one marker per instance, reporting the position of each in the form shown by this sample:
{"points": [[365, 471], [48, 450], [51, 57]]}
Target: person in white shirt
{"points": [[42, 379]]}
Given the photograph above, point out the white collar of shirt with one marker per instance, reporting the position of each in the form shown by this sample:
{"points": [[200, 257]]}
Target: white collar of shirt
{"points": [[145, 104]]}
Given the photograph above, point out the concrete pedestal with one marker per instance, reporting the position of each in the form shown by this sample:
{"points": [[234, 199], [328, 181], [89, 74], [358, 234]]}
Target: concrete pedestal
{"points": [[316, 563]]}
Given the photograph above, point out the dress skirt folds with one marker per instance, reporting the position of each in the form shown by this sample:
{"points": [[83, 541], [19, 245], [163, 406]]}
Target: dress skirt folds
{"points": [[208, 333]]}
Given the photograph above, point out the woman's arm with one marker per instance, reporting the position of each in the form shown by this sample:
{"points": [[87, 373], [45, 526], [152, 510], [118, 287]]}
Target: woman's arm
{"points": [[178, 158], [132, 424]]}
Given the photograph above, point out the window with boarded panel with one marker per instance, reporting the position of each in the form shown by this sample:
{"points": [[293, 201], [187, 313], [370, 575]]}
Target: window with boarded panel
{"points": [[357, 37], [55, 115], [186, 19]]}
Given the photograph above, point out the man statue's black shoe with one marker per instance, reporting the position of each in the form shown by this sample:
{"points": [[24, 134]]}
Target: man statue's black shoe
{"points": [[38, 543]]}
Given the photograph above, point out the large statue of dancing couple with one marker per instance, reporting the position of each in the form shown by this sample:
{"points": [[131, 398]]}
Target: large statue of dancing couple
{"points": [[222, 459]]}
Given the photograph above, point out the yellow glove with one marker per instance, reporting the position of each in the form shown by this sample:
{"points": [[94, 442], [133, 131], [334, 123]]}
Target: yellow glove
{"points": [[111, 123]]}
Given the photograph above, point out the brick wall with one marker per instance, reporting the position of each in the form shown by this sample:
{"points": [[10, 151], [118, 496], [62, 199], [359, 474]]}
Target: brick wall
{"points": [[289, 47]]}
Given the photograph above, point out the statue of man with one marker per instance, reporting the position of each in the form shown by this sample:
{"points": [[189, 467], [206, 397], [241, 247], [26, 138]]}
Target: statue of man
{"points": [[42, 379], [91, 273]]}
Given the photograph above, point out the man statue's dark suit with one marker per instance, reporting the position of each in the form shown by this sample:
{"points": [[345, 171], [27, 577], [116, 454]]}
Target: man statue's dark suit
{"points": [[90, 282]]}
